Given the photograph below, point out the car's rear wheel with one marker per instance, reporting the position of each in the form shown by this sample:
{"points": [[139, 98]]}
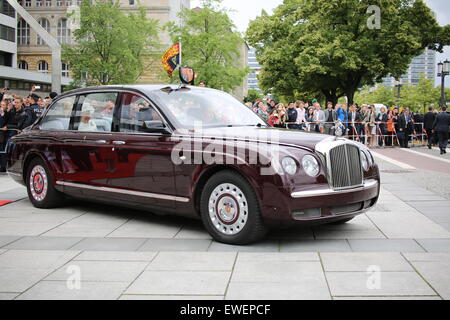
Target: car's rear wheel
{"points": [[41, 191], [230, 209]]}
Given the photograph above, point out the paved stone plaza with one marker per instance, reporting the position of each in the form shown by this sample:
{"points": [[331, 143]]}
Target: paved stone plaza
{"points": [[404, 244]]}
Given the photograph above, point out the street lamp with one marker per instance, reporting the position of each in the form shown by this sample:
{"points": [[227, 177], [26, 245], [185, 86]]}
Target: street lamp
{"points": [[398, 85], [443, 70]]}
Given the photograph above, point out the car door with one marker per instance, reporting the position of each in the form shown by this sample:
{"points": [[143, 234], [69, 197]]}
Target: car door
{"points": [[86, 154], [143, 168], [54, 129]]}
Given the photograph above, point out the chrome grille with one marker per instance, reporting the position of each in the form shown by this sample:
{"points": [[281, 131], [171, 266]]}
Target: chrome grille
{"points": [[345, 166]]}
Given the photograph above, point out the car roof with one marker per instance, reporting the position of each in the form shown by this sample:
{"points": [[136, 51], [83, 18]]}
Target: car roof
{"points": [[139, 87]]}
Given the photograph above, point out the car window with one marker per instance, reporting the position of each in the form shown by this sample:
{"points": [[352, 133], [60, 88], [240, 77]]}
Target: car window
{"points": [[58, 117], [94, 112], [134, 111], [208, 108]]}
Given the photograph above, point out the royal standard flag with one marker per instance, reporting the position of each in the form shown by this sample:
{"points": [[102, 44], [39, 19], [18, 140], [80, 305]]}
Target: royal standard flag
{"points": [[171, 59]]}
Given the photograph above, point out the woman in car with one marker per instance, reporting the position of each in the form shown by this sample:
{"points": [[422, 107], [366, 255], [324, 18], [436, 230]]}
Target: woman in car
{"points": [[86, 124]]}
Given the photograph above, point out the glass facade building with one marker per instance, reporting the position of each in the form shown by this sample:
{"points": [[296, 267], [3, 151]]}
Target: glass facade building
{"points": [[423, 64], [252, 79]]}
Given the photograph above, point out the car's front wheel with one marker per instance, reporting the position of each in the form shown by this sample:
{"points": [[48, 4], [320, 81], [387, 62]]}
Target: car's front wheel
{"points": [[230, 209], [41, 191]]}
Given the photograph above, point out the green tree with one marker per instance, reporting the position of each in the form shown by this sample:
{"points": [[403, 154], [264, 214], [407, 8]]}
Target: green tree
{"points": [[327, 45], [110, 44], [253, 95], [211, 45]]}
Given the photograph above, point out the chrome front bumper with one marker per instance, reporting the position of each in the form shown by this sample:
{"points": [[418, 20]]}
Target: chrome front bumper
{"points": [[368, 184]]}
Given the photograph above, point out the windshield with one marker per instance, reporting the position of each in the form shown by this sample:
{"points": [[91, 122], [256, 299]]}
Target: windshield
{"points": [[207, 108]]}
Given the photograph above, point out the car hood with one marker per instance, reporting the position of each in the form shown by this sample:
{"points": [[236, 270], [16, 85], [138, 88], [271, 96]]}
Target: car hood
{"points": [[282, 136]]}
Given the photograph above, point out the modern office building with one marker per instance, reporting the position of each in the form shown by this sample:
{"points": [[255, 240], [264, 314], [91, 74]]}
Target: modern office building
{"points": [[13, 73], [52, 15], [252, 79], [423, 64]]}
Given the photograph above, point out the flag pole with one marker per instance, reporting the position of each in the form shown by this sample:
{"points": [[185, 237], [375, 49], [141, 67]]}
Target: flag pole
{"points": [[181, 52]]}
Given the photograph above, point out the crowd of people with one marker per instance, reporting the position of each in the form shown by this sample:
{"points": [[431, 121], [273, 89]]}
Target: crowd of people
{"points": [[383, 127], [17, 113]]}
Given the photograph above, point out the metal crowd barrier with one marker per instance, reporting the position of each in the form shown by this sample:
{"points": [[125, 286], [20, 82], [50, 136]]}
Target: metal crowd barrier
{"points": [[361, 131], [5, 144]]}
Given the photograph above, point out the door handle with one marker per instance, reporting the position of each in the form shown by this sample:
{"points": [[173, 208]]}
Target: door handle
{"points": [[101, 141], [119, 142]]}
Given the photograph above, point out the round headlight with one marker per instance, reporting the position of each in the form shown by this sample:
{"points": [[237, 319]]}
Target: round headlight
{"points": [[364, 161], [310, 166], [289, 165]]}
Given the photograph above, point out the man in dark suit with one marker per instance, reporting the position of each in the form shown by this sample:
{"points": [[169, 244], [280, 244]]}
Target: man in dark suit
{"points": [[354, 119], [440, 126], [402, 132], [428, 122]]}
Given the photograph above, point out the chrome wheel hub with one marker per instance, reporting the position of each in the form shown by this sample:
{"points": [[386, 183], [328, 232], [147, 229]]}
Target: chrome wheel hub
{"points": [[38, 183], [228, 209]]}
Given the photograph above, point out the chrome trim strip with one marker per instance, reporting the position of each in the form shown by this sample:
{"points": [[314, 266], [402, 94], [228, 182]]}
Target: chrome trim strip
{"points": [[123, 191], [368, 184]]}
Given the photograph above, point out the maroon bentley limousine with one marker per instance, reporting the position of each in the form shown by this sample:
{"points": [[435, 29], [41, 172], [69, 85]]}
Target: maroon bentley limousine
{"points": [[190, 151]]}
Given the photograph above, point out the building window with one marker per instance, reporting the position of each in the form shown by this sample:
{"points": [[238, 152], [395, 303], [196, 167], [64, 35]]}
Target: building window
{"points": [[63, 31], [68, 3], [59, 3], [7, 33], [38, 3], [65, 69], [79, 2], [22, 65], [46, 25], [131, 2], [23, 33], [43, 66], [27, 3], [48, 3], [6, 9]]}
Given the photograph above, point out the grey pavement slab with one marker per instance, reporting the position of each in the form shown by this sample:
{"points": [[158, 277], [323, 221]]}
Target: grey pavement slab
{"points": [[169, 297], [175, 245], [180, 283], [435, 245], [314, 246], [43, 243], [429, 256], [356, 261], [384, 245], [391, 284], [278, 256], [275, 271], [307, 289], [268, 245], [112, 271], [193, 231], [437, 274], [193, 261], [109, 244], [35, 259], [5, 240], [19, 279], [429, 204], [7, 296], [405, 222], [115, 256], [18, 228], [137, 228], [58, 290], [291, 233], [390, 298]]}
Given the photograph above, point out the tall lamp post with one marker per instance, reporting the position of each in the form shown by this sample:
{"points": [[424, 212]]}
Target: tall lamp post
{"points": [[398, 85], [443, 70]]}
